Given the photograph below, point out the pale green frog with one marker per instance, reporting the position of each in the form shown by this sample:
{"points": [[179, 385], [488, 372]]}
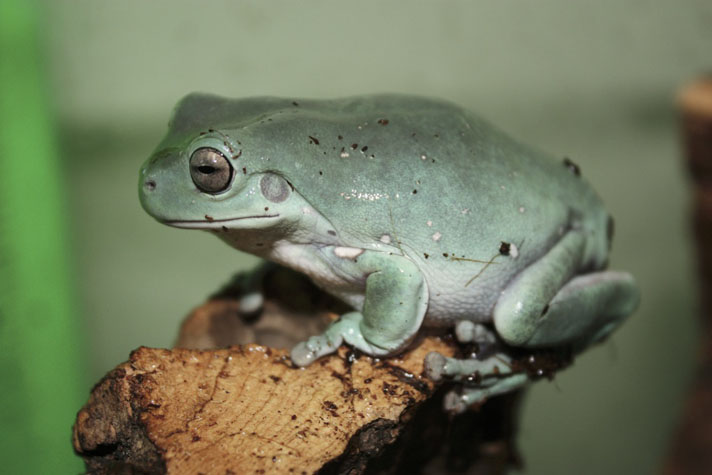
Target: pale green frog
{"points": [[413, 211]]}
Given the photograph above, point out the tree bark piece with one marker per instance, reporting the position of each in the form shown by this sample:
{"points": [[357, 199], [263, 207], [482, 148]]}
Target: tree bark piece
{"points": [[246, 409], [691, 452]]}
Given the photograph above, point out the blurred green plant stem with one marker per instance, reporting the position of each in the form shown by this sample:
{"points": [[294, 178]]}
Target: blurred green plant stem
{"points": [[40, 338]]}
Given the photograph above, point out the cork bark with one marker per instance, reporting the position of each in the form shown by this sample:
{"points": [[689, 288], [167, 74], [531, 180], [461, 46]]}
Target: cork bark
{"points": [[691, 452], [218, 404]]}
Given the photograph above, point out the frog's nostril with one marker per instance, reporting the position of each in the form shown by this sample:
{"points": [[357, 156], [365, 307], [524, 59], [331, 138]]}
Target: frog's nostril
{"points": [[149, 185]]}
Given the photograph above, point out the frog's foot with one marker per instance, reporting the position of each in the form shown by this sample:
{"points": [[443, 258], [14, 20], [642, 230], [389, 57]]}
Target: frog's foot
{"points": [[248, 287], [439, 367], [467, 331], [480, 379], [346, 329], [251, 302], [458, 400]]}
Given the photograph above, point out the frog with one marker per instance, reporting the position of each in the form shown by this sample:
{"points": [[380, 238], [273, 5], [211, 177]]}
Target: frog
{"points": [[415, 212]]}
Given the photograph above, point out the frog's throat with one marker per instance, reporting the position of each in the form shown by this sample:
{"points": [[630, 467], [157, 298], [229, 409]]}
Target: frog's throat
{"points": [[212, 222]]}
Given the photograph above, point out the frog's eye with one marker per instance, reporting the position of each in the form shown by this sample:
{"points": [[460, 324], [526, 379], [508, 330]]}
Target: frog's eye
{"points": [[210, 170]]}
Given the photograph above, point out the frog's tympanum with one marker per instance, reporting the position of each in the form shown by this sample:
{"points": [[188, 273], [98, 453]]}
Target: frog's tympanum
{"points": [[413, 211]]}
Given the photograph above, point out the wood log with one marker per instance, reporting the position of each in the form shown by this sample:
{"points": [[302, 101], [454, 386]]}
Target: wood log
{"points": [[691, 452], [243, 408]]}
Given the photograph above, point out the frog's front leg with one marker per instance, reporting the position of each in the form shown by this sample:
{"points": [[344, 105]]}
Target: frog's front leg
{"points": [[394, 305], [549, 305]]}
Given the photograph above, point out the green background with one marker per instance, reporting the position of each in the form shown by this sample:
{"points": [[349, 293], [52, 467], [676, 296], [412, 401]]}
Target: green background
{"points": [[594, 81]]}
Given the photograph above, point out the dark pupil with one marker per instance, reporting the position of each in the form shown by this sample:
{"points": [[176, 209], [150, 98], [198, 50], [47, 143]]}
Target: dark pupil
{"points": [[206, 170]]}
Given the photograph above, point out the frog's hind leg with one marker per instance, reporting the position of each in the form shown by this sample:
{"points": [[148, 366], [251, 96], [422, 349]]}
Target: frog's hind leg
{"points": [[547, 305]]}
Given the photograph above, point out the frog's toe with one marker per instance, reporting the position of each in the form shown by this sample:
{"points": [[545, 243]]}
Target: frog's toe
{"points": [[306, 352], [302, 355], [455, 402], [434, 365], [465, 331], [251, 302]]}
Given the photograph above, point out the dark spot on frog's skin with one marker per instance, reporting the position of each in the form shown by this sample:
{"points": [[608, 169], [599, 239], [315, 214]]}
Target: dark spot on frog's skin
{"points": [[224, 228], [573, 168], [436, 136], [211, 130], [383, 121], [321, 172], [354, 146], [202, 133], [208, 218], [274, 378], [294, 417], [313, 140], [259, 244], [266, 208], [544, 310], [504, 248], [331, 232], [341, 137], [445, 254], [295, 103], [364, 148], [244, 171], [413, 134], [415, 192], [426, 255]]}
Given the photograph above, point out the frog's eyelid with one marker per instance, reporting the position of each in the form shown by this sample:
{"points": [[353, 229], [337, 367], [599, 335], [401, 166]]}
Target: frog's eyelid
{"points": [[217, 140]]}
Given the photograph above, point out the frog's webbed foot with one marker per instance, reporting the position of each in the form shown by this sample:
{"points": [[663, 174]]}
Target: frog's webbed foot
{"points": [[345, 329], [458, 400], [487, 373], [470, 370], [480, 379]]}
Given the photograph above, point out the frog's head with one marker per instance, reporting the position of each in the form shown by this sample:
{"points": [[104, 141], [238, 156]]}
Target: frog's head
{"points": [[197, 177]]}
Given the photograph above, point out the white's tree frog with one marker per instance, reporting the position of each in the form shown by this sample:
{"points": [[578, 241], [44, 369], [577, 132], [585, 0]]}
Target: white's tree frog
{"points": [[413, 211]]}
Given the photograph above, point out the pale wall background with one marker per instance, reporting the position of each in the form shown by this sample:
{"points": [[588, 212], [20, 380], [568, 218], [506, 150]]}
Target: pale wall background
{"points": [[594, 81]]}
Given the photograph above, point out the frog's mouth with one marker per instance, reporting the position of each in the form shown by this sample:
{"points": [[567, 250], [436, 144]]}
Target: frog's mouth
{"points": [[210, 222]]}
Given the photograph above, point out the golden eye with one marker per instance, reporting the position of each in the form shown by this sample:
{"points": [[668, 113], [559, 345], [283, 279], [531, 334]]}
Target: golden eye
{"points": [[210, 170]]}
